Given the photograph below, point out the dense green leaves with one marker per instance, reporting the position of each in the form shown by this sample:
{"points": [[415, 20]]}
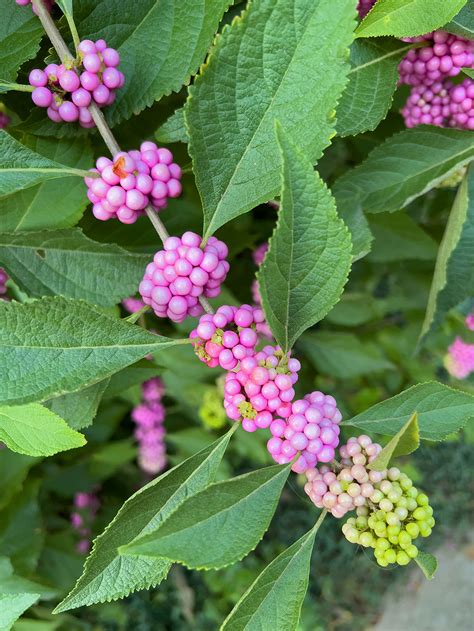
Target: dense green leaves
{"points": [[397, 238], [20, 167], [57, 203], [427, 563], [309, 257], [20, 35], [173, 129], [408, 18], [161, 44], [78, 409], [265, 66], [372, 81], [463, 23], [34, 430], [233, 515], [55, 345], [108, 576], [68, 263], [343, 355], [396, 172], [441, 410], [404, 442], [453, 279], [274, 599]]}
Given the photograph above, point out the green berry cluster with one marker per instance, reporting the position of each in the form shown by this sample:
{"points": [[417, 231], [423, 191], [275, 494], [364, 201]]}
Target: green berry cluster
{"points": [[394, 517], [212, 412]]}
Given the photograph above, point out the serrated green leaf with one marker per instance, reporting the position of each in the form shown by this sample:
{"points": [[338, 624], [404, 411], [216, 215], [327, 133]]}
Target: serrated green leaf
{"points": [[274, 599], [401, 169], [427, 563], [108, 576], [398, 238], [406, 441], [20, 36], [343, 355], [57, 345], [453, 278], [372, 81], [249, 82], [68, 263], [233, 515], [309, 258], [20, 167], [408, 18], [33, 430], [161, 44], [78, 409], [30, 209], [12, 606], [463, 23], [173, 129], [441, 411]]}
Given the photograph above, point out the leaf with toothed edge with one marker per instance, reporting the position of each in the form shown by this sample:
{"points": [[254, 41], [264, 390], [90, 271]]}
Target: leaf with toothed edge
{"points": [[233, 514], [281, 59], [108, 576]]}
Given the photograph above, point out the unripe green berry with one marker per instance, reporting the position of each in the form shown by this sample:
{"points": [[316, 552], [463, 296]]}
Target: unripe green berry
{"points": [[412, 551], [431, 522], [366, 539], [362, 510], [376, 496], [394, 495], [402, 502], [412, 529], [404, 538], [390, 555], [392, 519], [371, 522], [420, 514], [393, 473], [413, 492], [386, 505], [393, 530], [382, 562], [393, 539], [422, 500], [382, 544], [403, 558], [401, 513], [406, 483], [385, 486], [411, 504], [361, 522]]}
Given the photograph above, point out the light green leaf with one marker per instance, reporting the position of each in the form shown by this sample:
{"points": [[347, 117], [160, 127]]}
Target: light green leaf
{"points": [[56, 345], [406, 441], [30, 209], [398, 238], [11, 583], [108, 576], [463, 23], [79, 409], [21, 168], [441, 411], [161, 44], [469, 72], [12, 606], [68, 263], [427, 563], [65, 6], [372, 81], [343, 355], [408, 18], [453, 278], [309, 257], [233, 515], [402, 168], [284, 60], [34, 430], [274, 599], [20, 36], [173, 129], [356, 308]]}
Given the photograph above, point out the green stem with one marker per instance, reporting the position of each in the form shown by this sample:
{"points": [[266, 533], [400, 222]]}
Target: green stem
{"points": [[17, 87], [320, 521], [75, 35]]}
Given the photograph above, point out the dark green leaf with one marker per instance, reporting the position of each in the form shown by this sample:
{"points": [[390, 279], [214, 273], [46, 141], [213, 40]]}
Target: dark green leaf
{"points": [[78, 409], [398, 238], [463, 23], [173, 129], [20, 36]]}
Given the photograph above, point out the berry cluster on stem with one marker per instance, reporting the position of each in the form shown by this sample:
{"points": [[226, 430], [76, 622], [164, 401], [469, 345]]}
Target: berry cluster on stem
{"points": [[86, 506], [149, 418]]}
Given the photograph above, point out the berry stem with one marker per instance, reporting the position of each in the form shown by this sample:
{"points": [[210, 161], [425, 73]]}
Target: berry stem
{"points": [[18, 87], [104, 130]]}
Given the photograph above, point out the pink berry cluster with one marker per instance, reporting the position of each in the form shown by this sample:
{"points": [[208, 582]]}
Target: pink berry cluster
{"points": [[132, 181], [470, 321], [442, 104], [262, 387], [350, 487], [47, 3], [228, 336], [459, 361], [312, 429], [3, 286], [5, 120], [67, 92], [444, 56], [364, 6], [149, 417], [181, 273], [86, 506]]}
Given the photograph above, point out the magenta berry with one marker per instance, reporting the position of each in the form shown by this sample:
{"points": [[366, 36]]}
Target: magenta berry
{"points": [[364, 6], [127, 185], [149, 417], [444, 57], [3, 287], [311, 429], [68, 92], [86, 506], [226, 337], [181, 273], [261, 389], [460, 359], [47, 3]]}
